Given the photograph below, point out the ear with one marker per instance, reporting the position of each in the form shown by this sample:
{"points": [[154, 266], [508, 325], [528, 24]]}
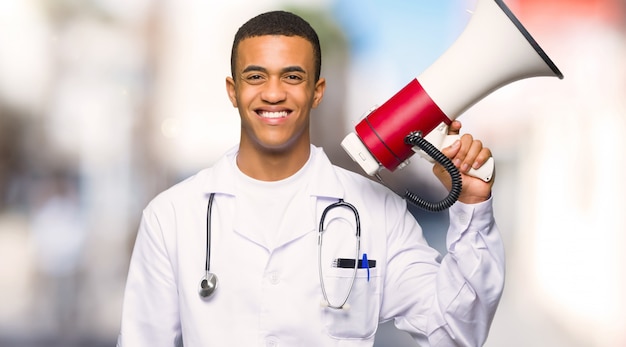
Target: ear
{"points": [[320, 87], [231, 90]]}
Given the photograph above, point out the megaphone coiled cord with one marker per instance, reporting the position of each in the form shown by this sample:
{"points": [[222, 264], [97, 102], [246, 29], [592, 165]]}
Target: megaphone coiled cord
{"points": [[416, 139]]}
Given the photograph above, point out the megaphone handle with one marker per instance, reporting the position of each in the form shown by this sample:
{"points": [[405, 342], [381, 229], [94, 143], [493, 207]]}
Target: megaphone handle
{"points": [[439, 138], [485, 172]]}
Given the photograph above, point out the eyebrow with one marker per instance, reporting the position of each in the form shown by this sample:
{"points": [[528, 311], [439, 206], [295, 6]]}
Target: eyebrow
{"points": [[294, 68]]}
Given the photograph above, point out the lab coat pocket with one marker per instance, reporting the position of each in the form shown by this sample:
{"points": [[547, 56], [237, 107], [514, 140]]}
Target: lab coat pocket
{"points": [[359, 319]]}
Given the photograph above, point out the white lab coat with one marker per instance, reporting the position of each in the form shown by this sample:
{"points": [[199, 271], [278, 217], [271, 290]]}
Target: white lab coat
{"points": [[271, 297]]}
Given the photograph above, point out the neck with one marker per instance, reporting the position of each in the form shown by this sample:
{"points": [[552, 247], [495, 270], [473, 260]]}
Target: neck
{"points": [[270, 165]]}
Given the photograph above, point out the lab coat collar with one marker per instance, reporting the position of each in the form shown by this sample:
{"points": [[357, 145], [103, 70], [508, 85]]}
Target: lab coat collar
{"points": [[326, 183], [220, 177]]}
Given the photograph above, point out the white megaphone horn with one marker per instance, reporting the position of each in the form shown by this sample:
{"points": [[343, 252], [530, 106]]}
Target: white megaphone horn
{"points": [[494, 50]]}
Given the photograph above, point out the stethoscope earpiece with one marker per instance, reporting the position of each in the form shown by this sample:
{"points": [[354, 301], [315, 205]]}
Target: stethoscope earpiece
{"points": [[325, 303], [207, 286]]}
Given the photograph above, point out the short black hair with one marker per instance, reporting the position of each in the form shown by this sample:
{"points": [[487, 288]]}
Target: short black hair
{"points": [[278, 23]]}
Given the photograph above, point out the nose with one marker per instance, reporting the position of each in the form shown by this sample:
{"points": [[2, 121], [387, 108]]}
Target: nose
{"points": [[274, 91]]}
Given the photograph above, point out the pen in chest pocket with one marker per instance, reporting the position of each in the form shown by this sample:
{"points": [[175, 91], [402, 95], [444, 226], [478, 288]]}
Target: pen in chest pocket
{"points": [[347, 263]]}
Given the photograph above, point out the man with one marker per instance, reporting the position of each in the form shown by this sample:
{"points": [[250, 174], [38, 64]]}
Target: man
{"points": [[258, 209]]}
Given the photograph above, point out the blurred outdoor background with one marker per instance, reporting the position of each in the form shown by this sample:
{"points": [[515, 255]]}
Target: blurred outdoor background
{"points": [[105, 103]]}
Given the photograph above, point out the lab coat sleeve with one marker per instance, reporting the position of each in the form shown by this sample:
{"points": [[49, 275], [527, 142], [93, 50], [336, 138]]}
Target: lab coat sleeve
{"points": [[150, 315], [452, 303]]}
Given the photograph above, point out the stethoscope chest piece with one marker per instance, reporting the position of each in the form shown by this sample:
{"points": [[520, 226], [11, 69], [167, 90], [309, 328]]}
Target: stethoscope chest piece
{"points": [[207, 285]]}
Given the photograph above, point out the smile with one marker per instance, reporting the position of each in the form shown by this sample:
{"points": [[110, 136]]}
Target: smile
{"points": [[273, 115]]}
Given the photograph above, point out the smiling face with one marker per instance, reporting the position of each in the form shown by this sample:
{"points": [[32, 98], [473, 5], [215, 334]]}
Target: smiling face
{"points": [[274, 89]]}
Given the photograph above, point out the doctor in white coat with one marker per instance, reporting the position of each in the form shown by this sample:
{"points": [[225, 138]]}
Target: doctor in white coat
{"points": [[253, 221]]}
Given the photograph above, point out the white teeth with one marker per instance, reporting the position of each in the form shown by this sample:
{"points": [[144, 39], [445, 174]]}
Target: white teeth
{"points": [[273, 114]]}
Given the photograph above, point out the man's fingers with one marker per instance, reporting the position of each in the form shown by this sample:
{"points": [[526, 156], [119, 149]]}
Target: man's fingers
{"points": [[482, 158], [454, 128], [475, 148]]}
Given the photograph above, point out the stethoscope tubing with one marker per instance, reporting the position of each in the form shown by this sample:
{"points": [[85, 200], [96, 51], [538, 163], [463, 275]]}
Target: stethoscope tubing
{"points": [[209, 210]]}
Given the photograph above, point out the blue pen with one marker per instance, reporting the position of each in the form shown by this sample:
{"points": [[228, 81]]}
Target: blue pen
{"points": [[365, 265]]}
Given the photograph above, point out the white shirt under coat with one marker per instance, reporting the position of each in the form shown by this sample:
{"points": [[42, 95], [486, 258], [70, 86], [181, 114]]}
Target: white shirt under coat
{"points": [[270, 294]]}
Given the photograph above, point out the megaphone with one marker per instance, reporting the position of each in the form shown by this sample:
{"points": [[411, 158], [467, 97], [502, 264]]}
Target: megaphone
{"points": [[494, 50]]}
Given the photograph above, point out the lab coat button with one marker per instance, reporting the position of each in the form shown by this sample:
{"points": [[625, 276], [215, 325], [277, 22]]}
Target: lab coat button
{"points": [[463, 218], [271, 341], [274, 278]]}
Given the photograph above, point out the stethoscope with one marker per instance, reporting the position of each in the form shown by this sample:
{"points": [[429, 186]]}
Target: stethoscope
{"points": [[357, 250], [209, 281]]}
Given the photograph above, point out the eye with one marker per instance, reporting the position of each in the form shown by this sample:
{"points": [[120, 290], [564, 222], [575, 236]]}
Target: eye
{"points": [[254, 78], [293, 78]]}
